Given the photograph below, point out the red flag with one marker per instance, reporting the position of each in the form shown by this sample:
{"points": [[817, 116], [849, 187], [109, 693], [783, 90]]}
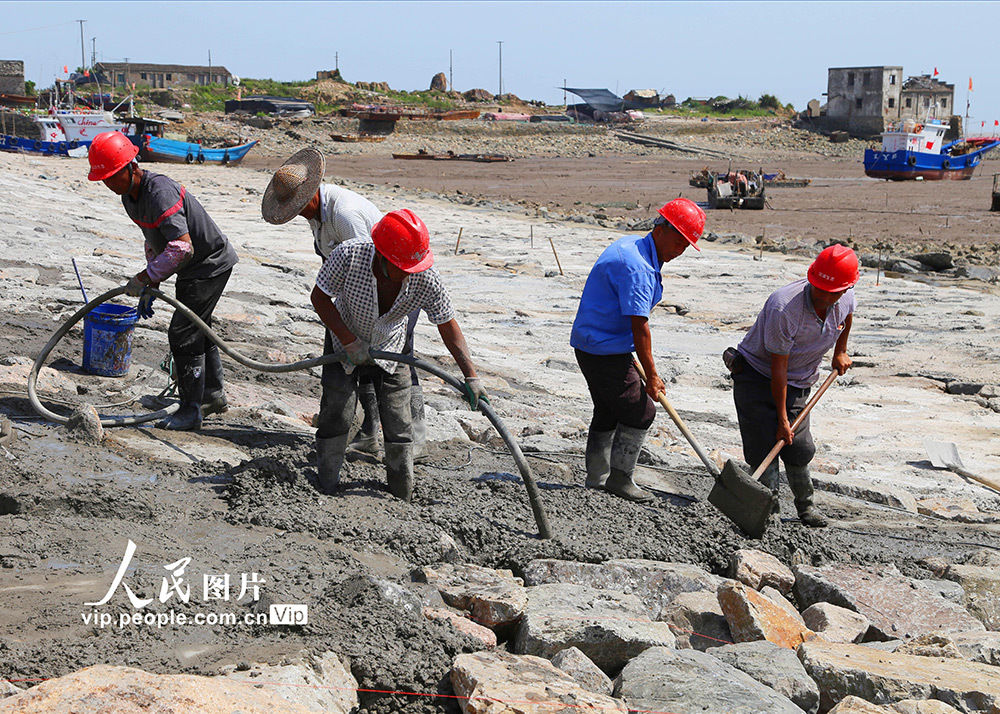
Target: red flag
{"points": [[970, 84], [982, 124], [65, 69], [86, 73], [935, 72], [996, 122]]}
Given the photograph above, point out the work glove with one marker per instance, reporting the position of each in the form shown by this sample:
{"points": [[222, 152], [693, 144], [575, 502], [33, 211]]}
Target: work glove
{"points": [[474, 392], [357, 352], [145, 308], [134, 286]]}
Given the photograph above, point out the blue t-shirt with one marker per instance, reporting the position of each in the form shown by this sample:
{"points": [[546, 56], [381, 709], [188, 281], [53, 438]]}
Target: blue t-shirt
{"points": [[625, 281]]}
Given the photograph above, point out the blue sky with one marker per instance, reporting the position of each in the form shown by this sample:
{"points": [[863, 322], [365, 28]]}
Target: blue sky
{"points": [[684, 48]]}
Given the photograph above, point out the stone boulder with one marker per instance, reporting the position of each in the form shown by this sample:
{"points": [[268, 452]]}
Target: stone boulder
{"points": [[697, 621], [319, 683], [783, 602], [865, 490], [935, 261], [124, 690], [463, 625], [978, 646], [841, 670], [757, 570], [581, 668], [501, 683], [751, 616], [857, 705], [896, 606], [609, 627], [945, 588], [834, 623], [654, 582], [931, 646], [776, 667], [982, 591], [922, 706], [493, 597], [477, 95], [961, 510], [85, 425], [439, 82], [666, 680]]}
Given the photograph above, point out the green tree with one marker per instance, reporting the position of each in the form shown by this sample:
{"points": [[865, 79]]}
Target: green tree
{"points": [[29, 88], [768, 101]]}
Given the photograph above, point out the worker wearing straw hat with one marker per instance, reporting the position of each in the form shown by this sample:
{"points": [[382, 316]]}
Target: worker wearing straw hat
{"points": [[336, 214]]}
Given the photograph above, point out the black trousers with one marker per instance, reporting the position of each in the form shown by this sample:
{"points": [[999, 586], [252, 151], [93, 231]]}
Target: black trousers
{"points": [[199, 295], [758, 418], [617, 392], [339, 400]]}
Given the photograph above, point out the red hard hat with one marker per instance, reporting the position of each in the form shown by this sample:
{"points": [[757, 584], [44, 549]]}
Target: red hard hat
{"points": [[835, 269], [404, 240], [109, 153], [685, 215]]}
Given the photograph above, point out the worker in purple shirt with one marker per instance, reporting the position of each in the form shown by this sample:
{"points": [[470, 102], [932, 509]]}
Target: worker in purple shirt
{"points": [[611, 321], [181, 240], [778, 362]]}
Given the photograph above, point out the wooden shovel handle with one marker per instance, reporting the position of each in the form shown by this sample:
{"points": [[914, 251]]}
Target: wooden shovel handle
{"points": [[795, 425]]}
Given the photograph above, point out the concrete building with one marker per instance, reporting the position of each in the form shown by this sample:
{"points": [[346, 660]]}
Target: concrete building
{"points": [[11, 77], [161, 76], [926, 96], [863, 100]]}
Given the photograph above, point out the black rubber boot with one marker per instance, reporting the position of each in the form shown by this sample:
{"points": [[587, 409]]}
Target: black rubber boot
{"points": [[624, 457], [772, 479], [191, 386], [399, 469], [598, 457], [366, 439], [418, 424], [329, 461], [214, 401], [802, 486]]}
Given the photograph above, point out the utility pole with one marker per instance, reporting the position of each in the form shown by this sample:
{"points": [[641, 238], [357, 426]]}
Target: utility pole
{"points": [[83, 51], [93, 51], [451, 72], [210, 65], [336, 61], [565, 106], [500, 45]]}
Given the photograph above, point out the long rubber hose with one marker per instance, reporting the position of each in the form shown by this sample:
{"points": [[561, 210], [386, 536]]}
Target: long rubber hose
{"points": [[534, 498]]}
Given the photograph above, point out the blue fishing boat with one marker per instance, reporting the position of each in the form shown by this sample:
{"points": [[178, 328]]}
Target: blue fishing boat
{"points": [[36, 146], [917, 151], [155, 148]]}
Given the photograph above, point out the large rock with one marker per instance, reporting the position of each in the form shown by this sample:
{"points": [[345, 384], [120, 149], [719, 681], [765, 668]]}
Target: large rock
{"points": [[439, 82], [783, 602], [654, 582], [857, 705], [922, 706], [697, 621], [962, 510], [935, 261], [896, 606], [836, 624], [751, 616], [581, 668], [501, 683], [665, 680], [477, 95], [609, 627], [865, 490], [930, 646], [14, 377], [982, 591], [757, 570], [464, 625], [124, 690], [978, 646], [776, 667], [494, 597], [85, 425], [318, 683], [945, 588], [882, 677]]}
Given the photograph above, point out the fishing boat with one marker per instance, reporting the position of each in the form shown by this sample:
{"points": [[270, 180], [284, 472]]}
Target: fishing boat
{"points": [[155, 148], [917, 151], [737, 189]]}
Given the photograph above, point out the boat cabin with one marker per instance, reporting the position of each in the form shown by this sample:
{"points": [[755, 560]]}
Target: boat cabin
{"points": [[910, 136]]}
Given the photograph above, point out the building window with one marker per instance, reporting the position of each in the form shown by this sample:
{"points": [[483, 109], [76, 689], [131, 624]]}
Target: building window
{"points": [[142, 75], [909, 102], [857, 103], [892, 102], [169, 77], [944, 102], [892, 79], [850, 77], [121, 78], [927, 102]]}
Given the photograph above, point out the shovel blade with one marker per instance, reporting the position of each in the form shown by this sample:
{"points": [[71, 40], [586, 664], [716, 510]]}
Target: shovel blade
{"points": [[943, 454], [742, 499]]}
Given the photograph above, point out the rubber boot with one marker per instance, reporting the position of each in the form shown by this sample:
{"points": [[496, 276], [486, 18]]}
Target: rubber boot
{"points": [[802, 486], [418, 424], [399, 469], [624, 456], [191, 386], [214, 401], [598, 457], [771, 479], [329, 460], [366, 439]]}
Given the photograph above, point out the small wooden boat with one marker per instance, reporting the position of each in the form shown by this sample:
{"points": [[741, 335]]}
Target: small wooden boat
{"points": [[154, 148], [452, 156], [353, 138], [455, 114], [737, 189]]}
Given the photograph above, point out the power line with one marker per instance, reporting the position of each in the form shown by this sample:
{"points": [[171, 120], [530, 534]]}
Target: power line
{"points": [[33, 29]]}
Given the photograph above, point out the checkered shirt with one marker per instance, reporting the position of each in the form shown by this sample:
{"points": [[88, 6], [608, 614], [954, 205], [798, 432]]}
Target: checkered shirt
{"points": [[347, 277]]}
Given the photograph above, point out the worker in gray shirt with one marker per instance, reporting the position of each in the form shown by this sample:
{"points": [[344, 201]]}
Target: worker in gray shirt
{"points": [[778, 362], [335, 215]]}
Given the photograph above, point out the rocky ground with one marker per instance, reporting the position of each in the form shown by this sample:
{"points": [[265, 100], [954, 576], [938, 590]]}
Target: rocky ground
{"points": [[454, 595]]}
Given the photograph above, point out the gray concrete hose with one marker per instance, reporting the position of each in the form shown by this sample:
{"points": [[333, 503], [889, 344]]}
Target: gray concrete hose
{"points": [[534, 497]]}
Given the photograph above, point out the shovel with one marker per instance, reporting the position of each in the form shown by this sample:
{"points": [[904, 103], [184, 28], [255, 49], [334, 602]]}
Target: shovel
{"points": [[742, 499], [753, 518], [944, 455]]}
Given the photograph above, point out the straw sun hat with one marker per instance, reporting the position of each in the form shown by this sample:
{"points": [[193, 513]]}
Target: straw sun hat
{"points": [[292, 186]]}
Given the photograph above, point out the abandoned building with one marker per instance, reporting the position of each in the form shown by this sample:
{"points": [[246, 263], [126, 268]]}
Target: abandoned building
{"points": [[161, 76], [11, 77], [926, 96]]}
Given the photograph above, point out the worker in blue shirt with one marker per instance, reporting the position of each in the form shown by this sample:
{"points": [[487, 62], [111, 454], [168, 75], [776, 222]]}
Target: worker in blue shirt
{"points": [[611, 321]]}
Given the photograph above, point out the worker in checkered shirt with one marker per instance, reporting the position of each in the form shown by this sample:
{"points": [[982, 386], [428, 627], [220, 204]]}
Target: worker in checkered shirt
{"points": [[363, 294]]}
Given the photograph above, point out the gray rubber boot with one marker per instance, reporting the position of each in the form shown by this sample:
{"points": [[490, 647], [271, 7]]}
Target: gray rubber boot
{"points": [[399, 469], [330, 458], [624, 456], [802, 486], [191, 386], [771, 478], [366, 439], [214, 399], [598, 457], [418, 424]]}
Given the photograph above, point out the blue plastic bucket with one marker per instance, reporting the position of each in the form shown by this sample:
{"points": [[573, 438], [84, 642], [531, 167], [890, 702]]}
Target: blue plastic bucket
{"points": [[107, 340]]}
